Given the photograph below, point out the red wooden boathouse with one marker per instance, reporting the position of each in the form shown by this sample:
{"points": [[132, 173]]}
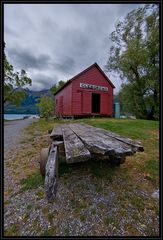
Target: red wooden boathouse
{"points": [[88, 93]]}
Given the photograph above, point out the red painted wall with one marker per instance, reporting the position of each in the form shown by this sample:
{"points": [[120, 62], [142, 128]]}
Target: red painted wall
{"points": [[82, 98], [73, 100], [64, 101]]}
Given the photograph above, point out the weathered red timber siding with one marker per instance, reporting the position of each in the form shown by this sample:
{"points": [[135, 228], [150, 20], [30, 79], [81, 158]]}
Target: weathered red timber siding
{"points": [[64, 101], [72, 100], [82, 98], [86, 99]]}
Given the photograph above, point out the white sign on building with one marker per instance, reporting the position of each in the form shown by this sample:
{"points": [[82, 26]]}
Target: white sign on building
{"points": [[94, 87]]}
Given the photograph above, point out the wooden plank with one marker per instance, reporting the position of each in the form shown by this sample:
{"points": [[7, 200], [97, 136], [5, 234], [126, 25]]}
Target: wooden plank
{"points": [[98, 143], [134, 144], [74, 148], [51, 175], [56, 133]]}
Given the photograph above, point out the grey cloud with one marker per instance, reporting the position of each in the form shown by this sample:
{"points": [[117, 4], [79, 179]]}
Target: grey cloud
{"points": [[10, 32], [26, 59], [66, 65], [45, 81], [123, 9], [49, 25], [77, 42], [79, 45], [60, 38]]}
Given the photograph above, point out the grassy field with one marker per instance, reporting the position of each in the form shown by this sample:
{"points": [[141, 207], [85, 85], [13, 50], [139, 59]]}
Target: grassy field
{"points": [[131, 210]]}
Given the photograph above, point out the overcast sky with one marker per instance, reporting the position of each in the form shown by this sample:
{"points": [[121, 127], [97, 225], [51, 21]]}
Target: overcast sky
{"points": [[54, 42]]}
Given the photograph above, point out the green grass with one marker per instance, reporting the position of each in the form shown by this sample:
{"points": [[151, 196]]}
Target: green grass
{"points": [[31, 182], [157, 210], [7, 202], [50, 216], [101, 169], [29, 206], [48, 232], [137, 202], [101, 205], [110, 220], [37, 207], [35, 222], [13, 230], [78, 206], [82, 218], [66, 231], [135, 129], [65, 168], [93, 211], [40, 195], [152, 166], [26, 216], [127, 127], [42, 126]]}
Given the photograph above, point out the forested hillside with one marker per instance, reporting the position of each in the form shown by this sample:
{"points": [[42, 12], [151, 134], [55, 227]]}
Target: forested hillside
{"points": [[29, 105]]}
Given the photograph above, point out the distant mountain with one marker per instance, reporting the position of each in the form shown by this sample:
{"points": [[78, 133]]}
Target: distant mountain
{"points": [[28, 105]]}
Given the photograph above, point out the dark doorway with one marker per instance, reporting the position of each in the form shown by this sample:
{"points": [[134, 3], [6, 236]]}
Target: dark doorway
{"points": [[95, 103]]}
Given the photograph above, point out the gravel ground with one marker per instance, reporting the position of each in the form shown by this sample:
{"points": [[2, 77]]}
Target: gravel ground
{"points": [[84, 206], [13, 131]]}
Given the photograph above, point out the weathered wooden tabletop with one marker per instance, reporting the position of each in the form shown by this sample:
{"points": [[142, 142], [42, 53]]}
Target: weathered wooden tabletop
{"points": [[81, 142]]}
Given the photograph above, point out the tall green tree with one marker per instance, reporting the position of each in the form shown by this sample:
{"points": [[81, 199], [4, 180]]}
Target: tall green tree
{"points": [[13, 83], [57, 86], [46, 107], [134, 55]]}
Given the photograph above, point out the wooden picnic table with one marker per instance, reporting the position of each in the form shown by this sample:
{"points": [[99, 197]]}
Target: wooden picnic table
{"points": [[81, 142]]}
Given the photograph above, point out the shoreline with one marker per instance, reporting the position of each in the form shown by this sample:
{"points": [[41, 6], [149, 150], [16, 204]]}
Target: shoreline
{"points": [[9, 120], [15, 117]]}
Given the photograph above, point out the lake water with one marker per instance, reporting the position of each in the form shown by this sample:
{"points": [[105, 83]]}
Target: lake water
{"points": [[16, 116]]}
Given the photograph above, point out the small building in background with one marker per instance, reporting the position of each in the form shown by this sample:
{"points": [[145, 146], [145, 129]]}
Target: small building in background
{"points": [[89, 93]]}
